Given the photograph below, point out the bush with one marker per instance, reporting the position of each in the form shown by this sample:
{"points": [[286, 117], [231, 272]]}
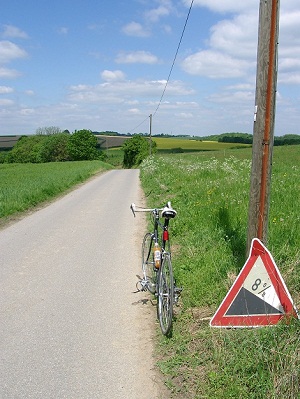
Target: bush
{"points": [[26, 150], [136, 150], [55, 148], [82, 146], [4, 156]]}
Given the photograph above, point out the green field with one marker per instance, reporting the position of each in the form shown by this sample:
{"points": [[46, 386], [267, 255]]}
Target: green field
{"points": [[193, 145], [175, 145], [210, 192], [23, 186]]}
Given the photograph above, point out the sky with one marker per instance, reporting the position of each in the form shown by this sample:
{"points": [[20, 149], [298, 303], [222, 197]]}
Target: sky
{"points": [[103, 65]]}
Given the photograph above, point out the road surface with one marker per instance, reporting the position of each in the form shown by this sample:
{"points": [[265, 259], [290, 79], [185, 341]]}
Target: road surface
{"points": [[71, 324]]}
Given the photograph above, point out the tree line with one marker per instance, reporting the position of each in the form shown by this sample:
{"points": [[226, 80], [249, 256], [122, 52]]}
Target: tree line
{"points": [[246, 138], [54, 147]]}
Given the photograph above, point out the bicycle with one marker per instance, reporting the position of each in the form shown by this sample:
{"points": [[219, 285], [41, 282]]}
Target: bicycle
{"points": [[157, 266]]}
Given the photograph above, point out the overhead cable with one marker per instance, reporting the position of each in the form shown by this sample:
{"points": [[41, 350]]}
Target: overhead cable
{"points": [[174, 60], [175, 57]]}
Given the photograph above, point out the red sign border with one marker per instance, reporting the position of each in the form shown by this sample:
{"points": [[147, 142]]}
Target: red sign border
{"points": [[221, 320]]}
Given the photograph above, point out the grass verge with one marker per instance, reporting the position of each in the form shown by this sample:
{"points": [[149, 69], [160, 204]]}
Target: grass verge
{"points": [[23, 186], [210, 191]]}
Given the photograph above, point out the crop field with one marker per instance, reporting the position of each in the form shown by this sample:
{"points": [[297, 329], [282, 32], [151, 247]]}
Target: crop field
{"points": [[23, 186], [174, 145], [171, 143], [210, 191]]}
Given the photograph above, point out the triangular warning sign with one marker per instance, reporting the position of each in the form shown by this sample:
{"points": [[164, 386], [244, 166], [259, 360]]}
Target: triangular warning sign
{"points": [[258, 297]]}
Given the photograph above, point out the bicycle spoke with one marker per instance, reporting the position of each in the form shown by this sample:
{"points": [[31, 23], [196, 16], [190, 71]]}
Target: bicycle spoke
{"points": [[165, 295]]}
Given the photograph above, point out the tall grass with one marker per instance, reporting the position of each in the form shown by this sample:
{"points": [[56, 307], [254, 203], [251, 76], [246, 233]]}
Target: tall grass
{"points": [[22, 186], [210, 192]]}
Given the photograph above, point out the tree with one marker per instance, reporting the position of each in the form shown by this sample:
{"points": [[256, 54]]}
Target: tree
{"points": [[82, 146], [47, 130], [26, 150], [136, 150], [54, 148]]}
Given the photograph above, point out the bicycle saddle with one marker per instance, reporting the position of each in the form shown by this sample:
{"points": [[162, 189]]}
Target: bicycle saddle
{"points": [[168, 212]]}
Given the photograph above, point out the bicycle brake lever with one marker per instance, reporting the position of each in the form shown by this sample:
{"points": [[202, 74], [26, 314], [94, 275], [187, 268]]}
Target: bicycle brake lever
{"points": [[132, 207]]}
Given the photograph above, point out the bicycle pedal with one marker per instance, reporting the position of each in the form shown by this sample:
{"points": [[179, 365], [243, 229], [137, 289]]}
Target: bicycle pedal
{"points": [[178, 290], [177, 293], [141, 285]]}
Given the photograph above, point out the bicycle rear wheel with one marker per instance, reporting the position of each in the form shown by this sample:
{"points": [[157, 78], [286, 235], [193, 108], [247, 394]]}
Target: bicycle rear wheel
{"points": [[165, 295], [148, 262]]}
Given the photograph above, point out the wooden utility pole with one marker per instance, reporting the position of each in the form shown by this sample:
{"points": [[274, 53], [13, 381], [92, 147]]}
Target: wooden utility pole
{"points": [[263, 131], [150, 135]]}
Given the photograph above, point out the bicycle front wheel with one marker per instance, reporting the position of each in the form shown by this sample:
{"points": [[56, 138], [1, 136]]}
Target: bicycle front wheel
{"points": [[148, 266], [165, 295]]}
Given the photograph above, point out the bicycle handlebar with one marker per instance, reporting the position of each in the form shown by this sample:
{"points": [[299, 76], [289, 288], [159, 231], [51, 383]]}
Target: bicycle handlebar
{"points": [[168, 207]]}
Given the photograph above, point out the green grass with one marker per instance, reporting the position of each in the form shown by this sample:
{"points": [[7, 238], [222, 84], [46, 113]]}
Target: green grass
{"points": [[211, 192], [115, 156], [23, 186]]}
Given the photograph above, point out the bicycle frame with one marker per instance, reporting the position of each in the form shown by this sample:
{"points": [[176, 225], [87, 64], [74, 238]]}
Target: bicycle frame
{"points": [[164, 227], [158, 277]]}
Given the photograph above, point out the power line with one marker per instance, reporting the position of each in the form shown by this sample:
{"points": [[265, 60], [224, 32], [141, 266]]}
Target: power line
{"points": [[179, 44], [174, 60], [132, 130]]}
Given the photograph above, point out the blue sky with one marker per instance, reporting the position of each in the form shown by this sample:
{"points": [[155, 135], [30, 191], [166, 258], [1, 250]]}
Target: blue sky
{"points": [[103, 64]]}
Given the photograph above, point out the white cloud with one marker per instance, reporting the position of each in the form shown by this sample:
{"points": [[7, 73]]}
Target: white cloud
{"points": [[4, 102], [114, 91], [6, 89], [134, 111], [237, 37], [224, 6], [215, 65], [164, 9], [232, 45], [289, 78], [156, 13], [6, 73], [10, 51], [289, 63], [14, 32], [240, 86], [27, 111], [112, 75], [150, 17], [135, 29], [185, 115], [236, 97], [142, 57]]}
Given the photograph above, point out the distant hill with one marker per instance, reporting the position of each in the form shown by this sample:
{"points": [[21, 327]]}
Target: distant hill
{"points": [[109, 139]]}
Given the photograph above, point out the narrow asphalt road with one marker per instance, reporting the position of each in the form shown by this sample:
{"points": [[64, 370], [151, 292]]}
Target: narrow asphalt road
{"points": [[71, 324]]}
